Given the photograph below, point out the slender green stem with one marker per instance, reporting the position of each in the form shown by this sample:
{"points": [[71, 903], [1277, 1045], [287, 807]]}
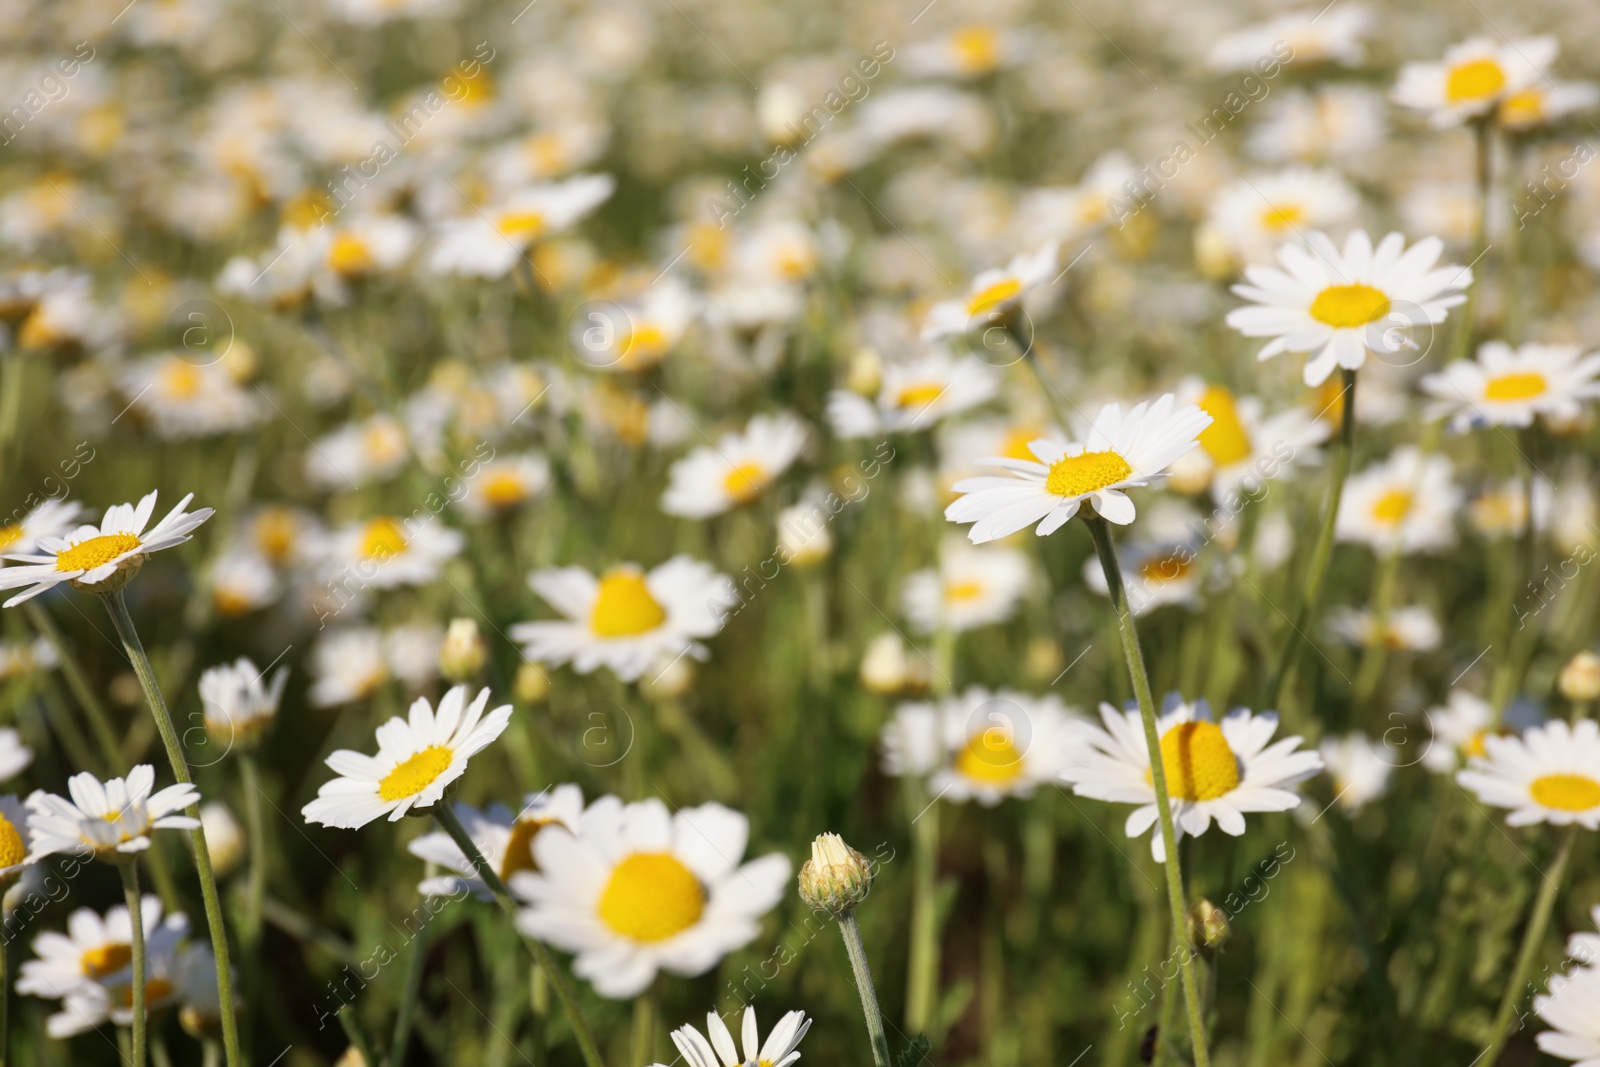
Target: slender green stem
{"points": [[922, 978], [850, 930], [1377, 650], [1520, 634], [1532, 938], [1158, 775], [451, 825], [408, 999], [202, 855], [1323, 551], [1461, 340], [256, 826], [130, 893], [642, 1049]]}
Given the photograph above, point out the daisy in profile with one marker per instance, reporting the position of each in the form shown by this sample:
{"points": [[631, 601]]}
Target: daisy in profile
{"points": [[49, 519], [93, 1004], [1340, 305], [417, 758], [242, 581], [386, 552], [1457, 731], [1508, 387], [913, 395], [1068, 213], [359, 453], [1406, 503], [628, 619], [95, 949], [991, 295], [1473, 78], [1245, 447], [238, 704], [1405, 629], [1315, 35], [504, 484], [505, 838], [1359, 768], [1549, 774], [736, 470], [972, 587], [979, 745], [1218, 771], [639, 889], [105, 819], [1254, 215], [780, 1049], [1122, 452], [100, 558], [1572, 1009], [1341, 123], [489, 242]]}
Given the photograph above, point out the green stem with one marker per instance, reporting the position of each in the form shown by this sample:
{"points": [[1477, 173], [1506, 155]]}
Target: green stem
{"points": [[850, 930], [1323, 551], [118, 608], [644, 1027], [1538, 922], [451, 825], [1518, 640], [1158, 775], [1461, 340], [1377, 650], [922, 978], [408, 999], [130, 893], [256, 826]]}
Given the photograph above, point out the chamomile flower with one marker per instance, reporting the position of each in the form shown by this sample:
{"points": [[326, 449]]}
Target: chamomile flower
{"points": [[386, 552], [13, 838], [979, 745], [1549, 774], [503, 484], [182, 399], [105, 819], [971, 587], [639, 889], [242, 581], [780, 1049], [1339, 123], [53, 518], [417, 758], [970, 51], [1508, 387], [913, 395], [21, 658], [504, 837], [1341, 305], [1122, 451], [1154, 573], [1584, 947], [91, 1004], [1218, 771], [1406, 503], [738, 469], [1258, 213], [627, 619], [95, 949], [1244, 447], [1359, 768], [1473, 78], [238, 705], [1457, 731], [991, 295], [1545, 102], [1410, 629], [638, 333], [1315, 35], [489, 242], [359, 453], [1572, 1008], [347, 665], [100, 558]]}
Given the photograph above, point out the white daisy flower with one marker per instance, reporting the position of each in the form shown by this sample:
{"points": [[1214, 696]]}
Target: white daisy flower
{"points": [[1572, 1008], [979, 745], [991, 295], [91, 554], [1341, 305], [53, 518], [1122, 451], [1256, 214], [914, 395], [1154, 573], [183, 400], [780, 1049], [1584, 947], [627, 619], [504, 837], [1214, 771], [386, 552], [117, 816], [1410, 629], [1315, 35], [15, 756], [238, 706], [358, 248], [1508, 387], [346, 666], [972, 587], [1457, 731], [242, 581], [94, 949], [225, 838], [1337, 123], [488, 243], [1545, 102], [504, 483], [736, 470], [359, 453], [18, 659], [1406, 503], [1065, 213], [1549, 774], [639, 890], [416, 760], [91, 1004], [1358, 767], [282, 535], [970, 51], [13, 838], [636, 334], [1244, 447], [1473, 77]]}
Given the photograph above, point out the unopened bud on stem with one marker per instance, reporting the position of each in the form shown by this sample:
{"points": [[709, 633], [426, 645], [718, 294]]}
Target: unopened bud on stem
{"points": [[836, 878]]}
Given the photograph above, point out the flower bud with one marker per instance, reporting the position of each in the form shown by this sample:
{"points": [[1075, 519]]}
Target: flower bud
{"points": [[462, 654], [836, 878], [1208, 926], [224, 837], [865, 375], [883, 668], [532, 684], [803, 534], [1580, 678]]}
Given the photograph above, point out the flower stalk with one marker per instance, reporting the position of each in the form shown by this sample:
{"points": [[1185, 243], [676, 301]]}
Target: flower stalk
{"points": [[130, 895], [834, 880], [1532, 938]]}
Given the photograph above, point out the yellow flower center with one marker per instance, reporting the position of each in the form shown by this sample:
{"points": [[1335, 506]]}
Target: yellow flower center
{"points": [[522, 225], [1474, 80], [1392, 507], [38, 332], [382, 539], [12, 850], [349, 255], [745, 482], [180, 381], [1474, 745], [651, 896], [1278, 219], [274, 531], [519, 847], [305, 209], [625, 607], [962, 592], [1343, 306], [990, 757], [10, 534], [384, 443], [920, 395], [416, 773], [1518, 385], [645, 344], [993, 296], [1167, 568], [504, 489], [96, 552], [475, 88], [977, 49], [1017, 442], [1086, 472], [155, 991], [1523, 109], [1198, 762], [103, 961], [1566, 792], [1226, 440]]}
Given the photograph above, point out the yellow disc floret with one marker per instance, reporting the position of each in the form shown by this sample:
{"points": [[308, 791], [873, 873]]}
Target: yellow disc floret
{"points": [[1198, 762], [990, 757], [1086, 472], [745, 482], [651, 896], [1474, 80], [625, 607], [415, 773], [96, 552], [382, 539], [1226, 440], [1344, 306], [1518, 385], [1566, 792]]}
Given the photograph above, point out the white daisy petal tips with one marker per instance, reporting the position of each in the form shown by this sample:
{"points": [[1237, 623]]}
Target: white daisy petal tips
{"points": [[780, 1049], [1122, 452], [1549, 774]]}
